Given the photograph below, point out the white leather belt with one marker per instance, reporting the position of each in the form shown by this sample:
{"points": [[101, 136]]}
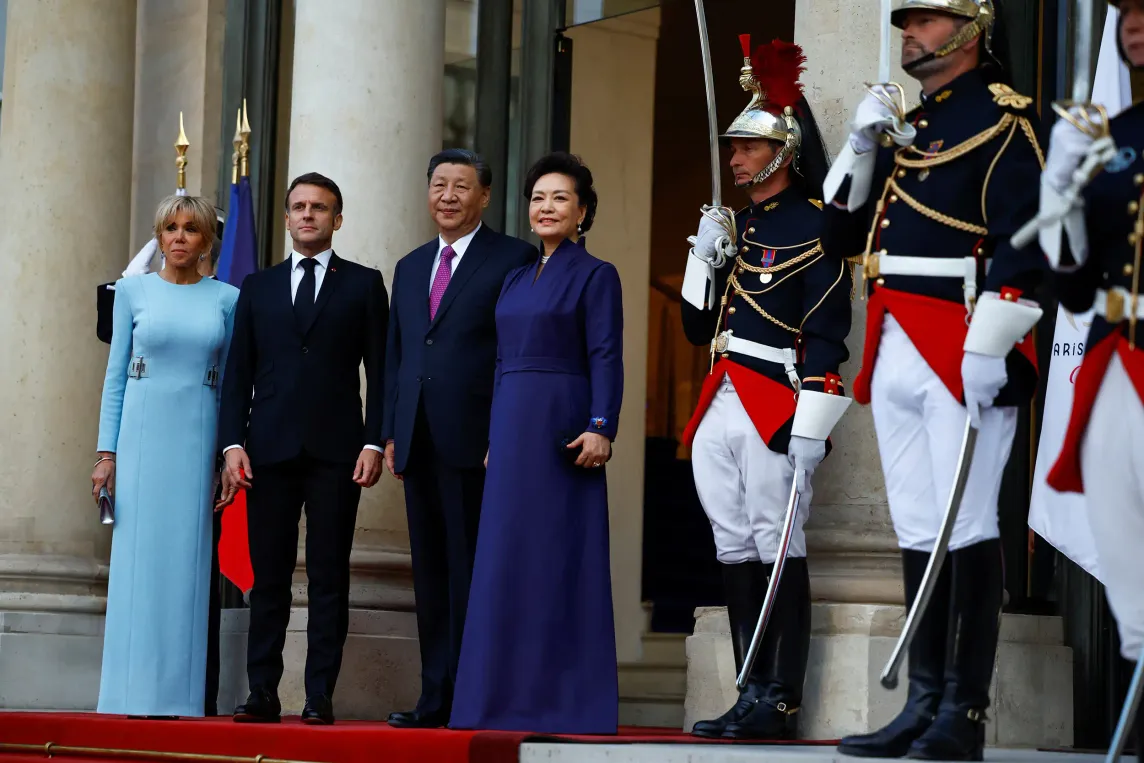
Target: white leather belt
{"points": [[879, 264], [728, 342], [1115, 304]]}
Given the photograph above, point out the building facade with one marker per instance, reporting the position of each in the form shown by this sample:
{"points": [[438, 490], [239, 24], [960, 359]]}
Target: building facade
{"points": [[365, 91]]}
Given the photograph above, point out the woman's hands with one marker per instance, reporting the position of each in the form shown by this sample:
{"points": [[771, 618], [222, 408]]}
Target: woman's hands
{"points": [[103, 475], [597, 449]]}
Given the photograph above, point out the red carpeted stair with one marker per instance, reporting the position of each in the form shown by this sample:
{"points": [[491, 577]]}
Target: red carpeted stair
{"points": [[88, 737]]}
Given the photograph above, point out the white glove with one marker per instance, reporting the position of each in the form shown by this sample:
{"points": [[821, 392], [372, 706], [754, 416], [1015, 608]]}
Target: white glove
{"points": [[1068, 147], [982, 377], [874, 118], [857, 158], [712, 244], [805, 455]]}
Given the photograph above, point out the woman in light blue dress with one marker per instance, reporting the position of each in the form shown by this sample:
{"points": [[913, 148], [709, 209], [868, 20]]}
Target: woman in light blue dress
{"points": [[157, 450]]}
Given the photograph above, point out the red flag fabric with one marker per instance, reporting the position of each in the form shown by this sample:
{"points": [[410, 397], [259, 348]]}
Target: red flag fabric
{"points": [[234, 545]]}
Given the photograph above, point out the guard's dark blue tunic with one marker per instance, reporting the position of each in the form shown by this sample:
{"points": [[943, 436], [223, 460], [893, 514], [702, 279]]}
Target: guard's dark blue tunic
{"points": [[966, 185], [782, 291]]}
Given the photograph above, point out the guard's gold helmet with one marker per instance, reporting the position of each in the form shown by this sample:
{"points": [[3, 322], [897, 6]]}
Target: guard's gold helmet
{"points": [[770, 74], [980, 13]]}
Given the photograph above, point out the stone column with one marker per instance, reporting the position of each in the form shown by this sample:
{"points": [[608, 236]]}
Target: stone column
{"points": [[853, 552], [366, 111], [179, 49], [65, 177]]}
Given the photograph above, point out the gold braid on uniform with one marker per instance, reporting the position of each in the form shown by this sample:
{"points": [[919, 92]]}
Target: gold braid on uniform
{"points": [[733, 281], [935, 158], [934, 215]]}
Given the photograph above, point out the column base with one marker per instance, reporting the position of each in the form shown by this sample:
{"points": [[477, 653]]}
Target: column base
{"points": [[1031, 695], [381, 665], [50, 660]]}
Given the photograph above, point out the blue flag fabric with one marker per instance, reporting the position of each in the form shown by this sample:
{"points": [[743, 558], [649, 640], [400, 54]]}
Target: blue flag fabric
{"points": [[239, 257]]}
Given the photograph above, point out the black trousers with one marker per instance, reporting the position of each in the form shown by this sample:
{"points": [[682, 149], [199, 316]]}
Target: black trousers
{"points": [[214, 618], [274, 507], [443, 504]]}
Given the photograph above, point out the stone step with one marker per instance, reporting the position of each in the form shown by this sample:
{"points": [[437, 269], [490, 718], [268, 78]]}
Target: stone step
{"points": [[640, 680], [651, 713], [665, 648]]}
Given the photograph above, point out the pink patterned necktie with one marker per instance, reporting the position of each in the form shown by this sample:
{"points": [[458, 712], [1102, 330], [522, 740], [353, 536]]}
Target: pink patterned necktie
{"points": [[441, 280]]}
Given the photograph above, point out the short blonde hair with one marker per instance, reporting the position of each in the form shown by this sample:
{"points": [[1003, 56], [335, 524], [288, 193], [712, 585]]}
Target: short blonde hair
{"points": [[201, 210]]}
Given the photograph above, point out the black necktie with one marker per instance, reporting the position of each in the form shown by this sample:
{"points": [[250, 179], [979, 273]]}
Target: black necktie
{"points": [[304, 299]]}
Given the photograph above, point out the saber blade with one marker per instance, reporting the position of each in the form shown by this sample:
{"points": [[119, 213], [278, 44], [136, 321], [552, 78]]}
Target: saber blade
{"points": [[1082, 53], [772, 585], [1127, 714], [884, 53], [712, 118], [933, 569]]}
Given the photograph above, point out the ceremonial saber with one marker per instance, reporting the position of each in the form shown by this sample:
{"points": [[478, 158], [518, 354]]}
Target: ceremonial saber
{"points": [[933, 569], [772, 584], [712, 117], [1131, 705], [884, 53], [1082, 62], [1081, 93]]}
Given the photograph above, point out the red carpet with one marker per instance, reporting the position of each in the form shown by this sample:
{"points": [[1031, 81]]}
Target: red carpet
{"points": [[88, 737]]}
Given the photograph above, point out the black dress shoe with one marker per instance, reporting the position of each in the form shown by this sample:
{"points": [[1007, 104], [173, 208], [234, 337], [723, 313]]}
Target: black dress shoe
{"points": [[956, 734], [261, 707], [319, 711], [417, 719], [768, 718]]}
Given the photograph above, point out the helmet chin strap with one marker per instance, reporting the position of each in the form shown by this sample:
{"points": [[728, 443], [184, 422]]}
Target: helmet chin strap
{"points": [[968, 32], [786, 152]]}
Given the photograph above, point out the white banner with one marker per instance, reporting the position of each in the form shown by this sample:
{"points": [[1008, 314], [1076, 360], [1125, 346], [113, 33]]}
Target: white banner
{"points": [[1060, 518]]}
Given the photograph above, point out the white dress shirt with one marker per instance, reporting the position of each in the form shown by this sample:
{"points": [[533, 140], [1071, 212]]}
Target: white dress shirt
{"points": [[459, 247], [296, 273]]}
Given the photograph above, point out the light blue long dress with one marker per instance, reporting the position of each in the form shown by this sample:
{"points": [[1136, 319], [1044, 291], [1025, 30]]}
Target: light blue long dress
{"points": [[162, 424]]}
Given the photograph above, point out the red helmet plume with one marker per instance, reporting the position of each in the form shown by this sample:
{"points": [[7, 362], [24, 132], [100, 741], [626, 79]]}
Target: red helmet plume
{"points": [[777, 68]]}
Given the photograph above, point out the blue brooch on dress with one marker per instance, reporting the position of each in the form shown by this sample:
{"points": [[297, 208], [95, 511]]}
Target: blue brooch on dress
{"points": [[598, 423], [1124, 159]]}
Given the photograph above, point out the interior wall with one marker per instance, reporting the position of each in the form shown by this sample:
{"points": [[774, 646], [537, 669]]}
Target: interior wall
{"points": [[613, 93]]}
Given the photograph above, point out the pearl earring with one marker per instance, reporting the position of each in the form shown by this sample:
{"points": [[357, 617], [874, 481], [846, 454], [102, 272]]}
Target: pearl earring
{"points": [[579, 229]]}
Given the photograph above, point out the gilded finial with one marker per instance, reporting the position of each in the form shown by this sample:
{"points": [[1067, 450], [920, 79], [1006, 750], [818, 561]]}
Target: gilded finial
{"points": [[181, 146], [244, 137], [237, 143]]}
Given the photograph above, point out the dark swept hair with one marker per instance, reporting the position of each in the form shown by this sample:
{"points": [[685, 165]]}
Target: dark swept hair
{"points": [[464, 157], [566, 164], [314, 178]]}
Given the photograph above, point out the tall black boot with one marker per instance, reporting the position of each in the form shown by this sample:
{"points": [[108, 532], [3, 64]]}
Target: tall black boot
{"points": [[958, 732], [744, 600], [927, 659], [775, 692]]}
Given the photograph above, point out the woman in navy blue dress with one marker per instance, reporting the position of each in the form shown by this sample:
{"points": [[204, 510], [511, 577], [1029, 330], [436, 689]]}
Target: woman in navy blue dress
{"points": [[539, 650]]}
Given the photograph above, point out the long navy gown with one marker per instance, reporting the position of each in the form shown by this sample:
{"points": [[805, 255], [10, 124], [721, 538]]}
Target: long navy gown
{"points": [[539, 649]]}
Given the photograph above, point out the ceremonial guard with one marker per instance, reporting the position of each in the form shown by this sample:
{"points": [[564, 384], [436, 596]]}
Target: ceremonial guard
{"points": [[947, 344], [1096, 258], [775, 310]]}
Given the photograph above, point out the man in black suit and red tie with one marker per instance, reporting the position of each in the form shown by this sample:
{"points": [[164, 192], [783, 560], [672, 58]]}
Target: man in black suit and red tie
{"points": [[440, 364], [302, 331]]}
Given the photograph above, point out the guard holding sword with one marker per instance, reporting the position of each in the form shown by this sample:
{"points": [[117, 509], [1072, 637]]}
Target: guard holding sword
{"points": [[929, 200], [1093, 243], [775, 309]]}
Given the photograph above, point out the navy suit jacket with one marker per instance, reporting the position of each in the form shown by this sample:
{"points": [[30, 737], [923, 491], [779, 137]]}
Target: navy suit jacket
{"points": [[447, 366], [305, 379]]}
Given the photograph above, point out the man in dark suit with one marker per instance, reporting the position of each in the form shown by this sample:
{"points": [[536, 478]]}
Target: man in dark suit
{"points": [[302, 330], [440, 363]]}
